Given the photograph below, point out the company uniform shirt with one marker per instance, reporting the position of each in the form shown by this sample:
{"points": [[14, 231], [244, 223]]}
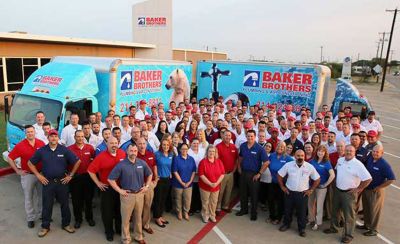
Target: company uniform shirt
{"points": [[130, 175], [284, 136], [126, 133], [298, 177], [54, 163], [185, 168], [94, 140], [303, 140], [240, 139], [380, 172], [350, 173], [252, 158], [322, 169], [163, 164], [68, 135], [85, 154], [104, 163], [228, 155], [374, 125], [39, 133], [140, 114], [331, 148], [149, 158], [197, 158], [212, 171], [101, 148], [25, 151], [344, 138], [276, 163]]}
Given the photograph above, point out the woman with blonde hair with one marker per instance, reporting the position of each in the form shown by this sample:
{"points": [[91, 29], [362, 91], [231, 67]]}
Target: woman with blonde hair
{"points": [[317, 198], [201, 135], [211, 172]]}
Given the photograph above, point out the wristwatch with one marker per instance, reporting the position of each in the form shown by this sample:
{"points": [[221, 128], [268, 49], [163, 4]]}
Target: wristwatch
{"points": [[146, 186], [71, 175]]}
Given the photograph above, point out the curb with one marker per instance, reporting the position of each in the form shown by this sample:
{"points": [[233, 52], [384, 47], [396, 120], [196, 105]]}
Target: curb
{"points": [[6, 171]]}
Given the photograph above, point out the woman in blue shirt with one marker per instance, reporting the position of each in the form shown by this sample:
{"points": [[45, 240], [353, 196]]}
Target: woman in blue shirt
{"points": [[183, 172], [317, 198], [275, 196], [163, 160]]}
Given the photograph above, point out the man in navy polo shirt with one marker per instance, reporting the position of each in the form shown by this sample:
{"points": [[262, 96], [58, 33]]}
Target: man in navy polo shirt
{"points": [[131, 172], [253, 161], [55, 178], [374, 195]]}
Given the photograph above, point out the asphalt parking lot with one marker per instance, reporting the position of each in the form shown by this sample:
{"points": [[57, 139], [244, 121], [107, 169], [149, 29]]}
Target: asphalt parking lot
{"points": [[229, 229]]}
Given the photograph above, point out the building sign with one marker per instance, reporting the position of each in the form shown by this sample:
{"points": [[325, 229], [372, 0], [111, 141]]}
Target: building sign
{"points": [[152, 21]]}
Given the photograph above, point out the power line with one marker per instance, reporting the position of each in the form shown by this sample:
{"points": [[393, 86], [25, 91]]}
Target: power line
{"points": [[383, 43]]}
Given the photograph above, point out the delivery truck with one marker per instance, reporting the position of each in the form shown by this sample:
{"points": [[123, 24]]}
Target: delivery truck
{"points": [[84, 85], [263, 83]]}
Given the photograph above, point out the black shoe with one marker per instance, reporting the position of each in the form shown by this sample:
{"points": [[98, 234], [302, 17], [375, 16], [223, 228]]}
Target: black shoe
{"points": [[160, 225], [227, 210], [31, 224], [253, 217], [302, 233], [241, 213], [361, 227], [330, 231], [91, 222], [77, 224], [110, 237], [191, 213], [370, 233], [284, 228], [165, 222], [118, 231]]}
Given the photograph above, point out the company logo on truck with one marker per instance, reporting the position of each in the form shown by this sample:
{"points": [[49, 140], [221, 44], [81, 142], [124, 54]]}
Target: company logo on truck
{"points": [[45, 80], [251, 78], [286, 81], [126, 80], [151, 21]]}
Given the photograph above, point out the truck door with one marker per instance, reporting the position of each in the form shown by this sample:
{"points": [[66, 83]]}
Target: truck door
{"points": [[83, 108]]}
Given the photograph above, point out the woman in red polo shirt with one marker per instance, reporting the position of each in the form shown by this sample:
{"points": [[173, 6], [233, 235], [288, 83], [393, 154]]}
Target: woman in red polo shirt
{"points": [[211, 172]]}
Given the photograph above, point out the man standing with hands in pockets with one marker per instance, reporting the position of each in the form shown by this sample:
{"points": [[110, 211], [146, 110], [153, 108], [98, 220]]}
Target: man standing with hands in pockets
{"points": [[131, 172]]}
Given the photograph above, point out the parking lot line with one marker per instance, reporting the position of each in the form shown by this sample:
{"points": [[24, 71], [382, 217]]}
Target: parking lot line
{"points": [[391, 126], [391, 155], [388, 118], [398, 188], [221, 235], [383, 238], [391, 138]]}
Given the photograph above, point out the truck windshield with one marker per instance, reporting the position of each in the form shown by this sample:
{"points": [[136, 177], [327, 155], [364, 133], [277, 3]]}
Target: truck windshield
{"points": [[24, 108]]}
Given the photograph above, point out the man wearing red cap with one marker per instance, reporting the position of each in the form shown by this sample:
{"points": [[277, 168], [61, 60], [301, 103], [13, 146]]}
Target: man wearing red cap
{"points": [[274, 132], [141, 112], [291, 121], [305, 135]]}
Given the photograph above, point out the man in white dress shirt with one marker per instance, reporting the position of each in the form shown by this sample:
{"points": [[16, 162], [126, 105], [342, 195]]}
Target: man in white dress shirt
{"points": [[125, 128], [40, 119], [141, 112], [89, 137], [372, 124], [351, 179], [297, 189], [68, 133]]}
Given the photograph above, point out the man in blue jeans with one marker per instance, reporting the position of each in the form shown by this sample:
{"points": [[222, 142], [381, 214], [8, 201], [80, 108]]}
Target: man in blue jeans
{"points": [[55, 178]]}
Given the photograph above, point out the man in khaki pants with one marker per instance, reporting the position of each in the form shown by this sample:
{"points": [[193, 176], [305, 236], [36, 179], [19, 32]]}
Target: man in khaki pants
{"points": [[131, 172], [374, 195], [228, 154], [150, 159]]}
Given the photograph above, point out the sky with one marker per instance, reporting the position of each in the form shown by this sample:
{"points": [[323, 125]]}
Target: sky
{"points": [[282, 31]]}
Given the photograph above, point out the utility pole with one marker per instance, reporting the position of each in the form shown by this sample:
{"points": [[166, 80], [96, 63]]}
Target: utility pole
{"points": [[322, 47], [380, 58], [388, 48], [377, 50]]}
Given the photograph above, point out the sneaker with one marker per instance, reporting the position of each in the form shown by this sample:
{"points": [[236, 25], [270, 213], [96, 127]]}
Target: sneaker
{"points": [[213, 219], [204, 220], [314, 227]]}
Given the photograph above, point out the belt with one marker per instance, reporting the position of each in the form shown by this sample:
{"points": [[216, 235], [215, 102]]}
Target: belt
{"points": [[133, 192], [342, 190], [55, 179]]}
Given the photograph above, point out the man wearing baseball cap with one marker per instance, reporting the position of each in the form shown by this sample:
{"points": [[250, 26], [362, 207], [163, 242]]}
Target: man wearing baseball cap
{"points": [[141, 112], [55, 178], [274, 132], [305, 135]]}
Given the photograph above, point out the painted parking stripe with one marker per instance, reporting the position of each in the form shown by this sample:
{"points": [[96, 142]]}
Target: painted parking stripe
{"points": [[398, 188], [221, 235], [383, 238], [391, 138], [391, 126], [391, 155]]}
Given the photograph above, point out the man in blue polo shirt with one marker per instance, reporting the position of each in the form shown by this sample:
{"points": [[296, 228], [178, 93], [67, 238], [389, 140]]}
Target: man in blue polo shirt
{"points": [[131, 172], [374, 195], [253, 161], [106, 133], [55, 178]]}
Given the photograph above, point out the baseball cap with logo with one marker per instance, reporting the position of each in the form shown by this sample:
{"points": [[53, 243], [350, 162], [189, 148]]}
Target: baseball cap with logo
{"points": [[372, 133], [305, 127], [274, 129], [53, 132]]}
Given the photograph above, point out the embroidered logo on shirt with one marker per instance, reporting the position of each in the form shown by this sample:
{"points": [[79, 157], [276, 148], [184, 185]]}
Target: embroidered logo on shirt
{"points": [[150, 158], [87, 153], [60, 155], [139, 167], [375, 168], [254, 152]]}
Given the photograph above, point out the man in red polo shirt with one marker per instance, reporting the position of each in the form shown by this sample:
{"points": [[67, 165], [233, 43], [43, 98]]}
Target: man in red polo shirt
{"points": [[228, 154], [25, 150], [150, 159], [274, 138], [110, 202], [81, 186]]}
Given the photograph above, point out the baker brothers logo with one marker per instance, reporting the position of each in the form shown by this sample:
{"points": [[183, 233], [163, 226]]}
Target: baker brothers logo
{"points": [[251, 78]]}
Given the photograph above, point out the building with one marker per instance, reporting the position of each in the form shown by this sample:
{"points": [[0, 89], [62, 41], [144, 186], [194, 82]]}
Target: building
{"points": [[21, 54]]}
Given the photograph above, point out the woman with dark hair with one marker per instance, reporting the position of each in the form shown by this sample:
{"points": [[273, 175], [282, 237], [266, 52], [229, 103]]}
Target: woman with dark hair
{"points": [[209, 131], [181, 133], [316, 140], [183, 172], [309, 151], [179, 125], [164, 161], [317, 198], [191, 133], [162, 129]]}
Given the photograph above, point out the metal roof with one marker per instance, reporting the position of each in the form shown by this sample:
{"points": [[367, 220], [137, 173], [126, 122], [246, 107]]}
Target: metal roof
{"points": [[71, 40]]}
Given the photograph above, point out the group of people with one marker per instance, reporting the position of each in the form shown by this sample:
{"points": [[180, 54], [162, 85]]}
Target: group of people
{"points": [[188, 157]]}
